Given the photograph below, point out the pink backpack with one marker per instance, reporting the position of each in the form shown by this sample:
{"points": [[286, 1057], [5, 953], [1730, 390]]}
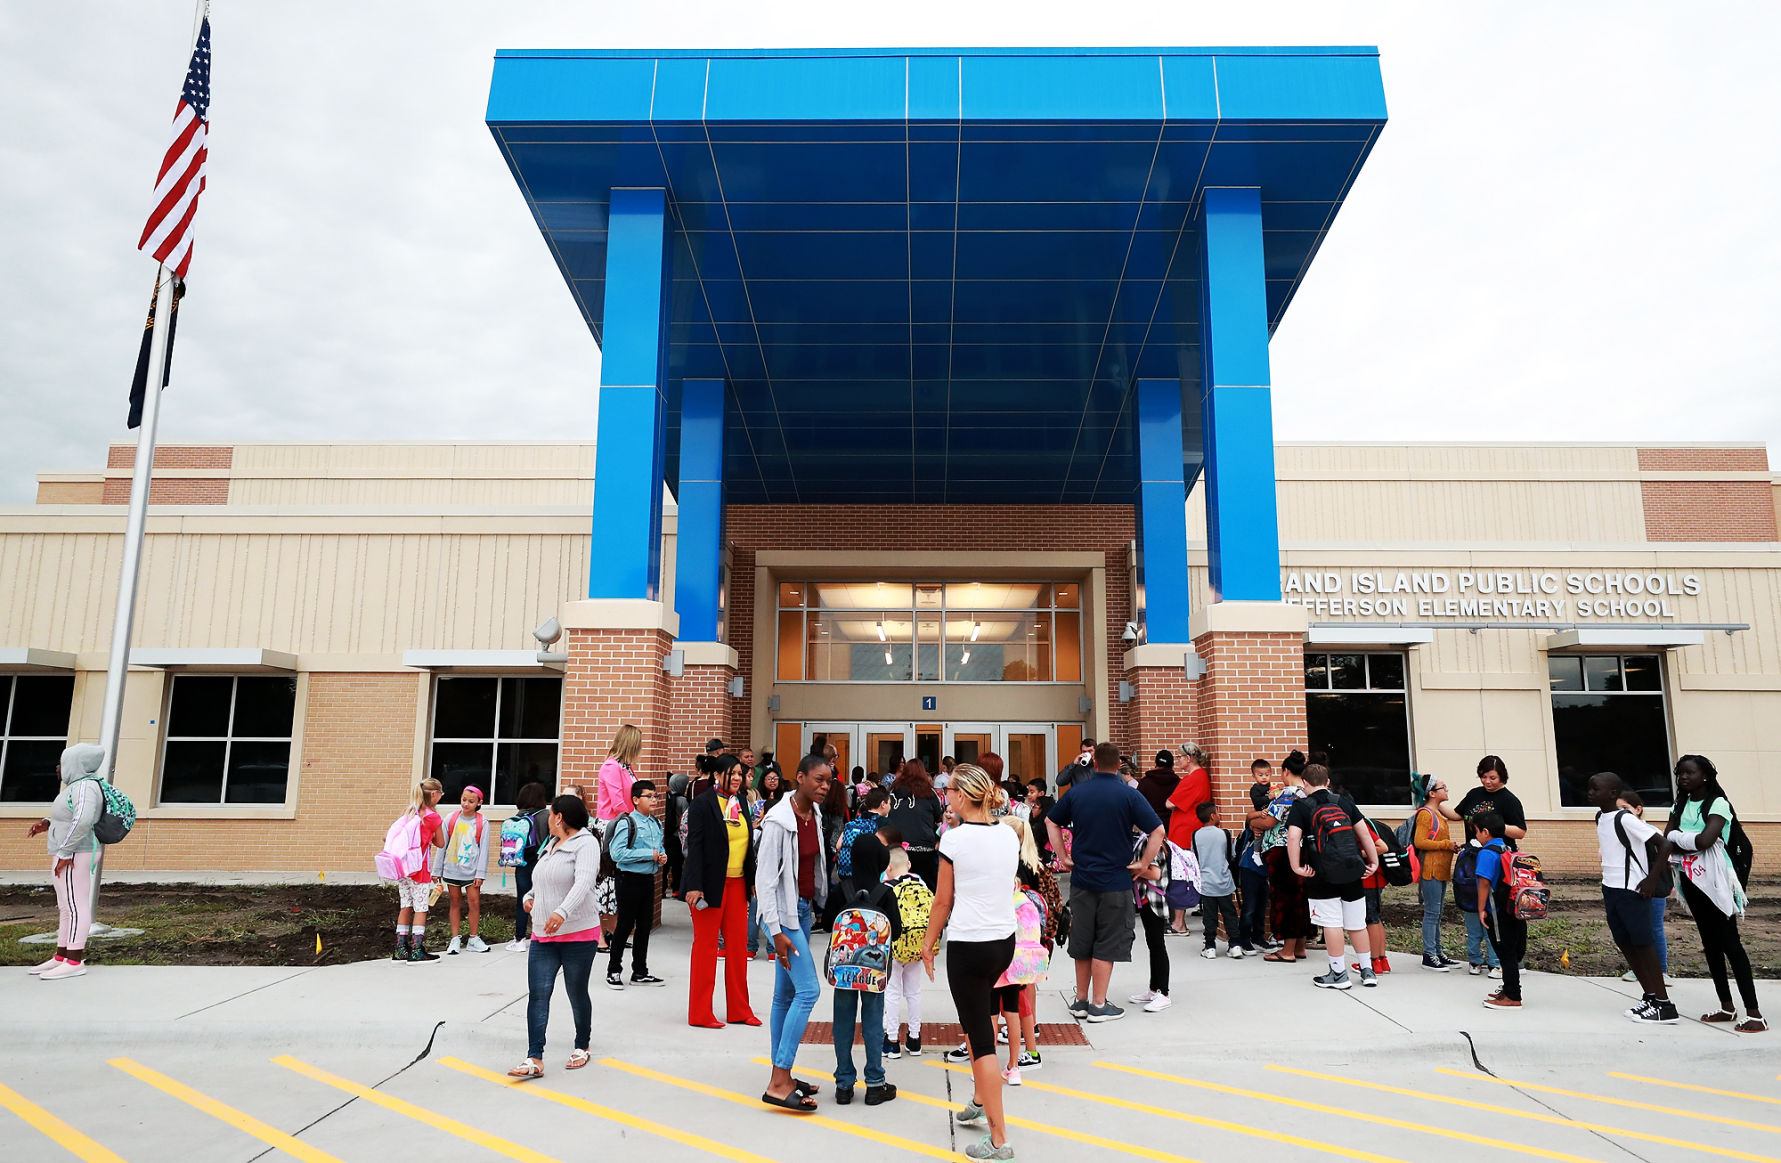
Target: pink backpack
{"points": [[1031, 959], [401, 856]]}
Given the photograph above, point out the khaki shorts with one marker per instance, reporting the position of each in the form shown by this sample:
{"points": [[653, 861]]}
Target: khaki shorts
{"points": [[1329, 912], [1101, 925]]}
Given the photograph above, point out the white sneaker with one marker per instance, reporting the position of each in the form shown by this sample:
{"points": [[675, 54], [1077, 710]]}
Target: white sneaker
{"points": [[518, 946], [1002, 1035], [1235, 953], [1011, 1076], [1668, 980], [475, 944], [55, 961], [1158, 1004], [1629, 975], [1137, 999], [1209, 953], [1496, 973], [456, 946], [66, 969]]}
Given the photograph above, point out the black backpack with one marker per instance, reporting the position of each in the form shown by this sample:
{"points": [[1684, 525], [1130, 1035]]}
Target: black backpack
{"points": [[1394, 862], [1338, 858], [609, 867], [1642, 857]]}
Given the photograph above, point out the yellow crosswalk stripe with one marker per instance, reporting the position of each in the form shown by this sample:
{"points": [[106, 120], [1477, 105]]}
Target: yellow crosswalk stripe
{"points": [[1674, 1112], [699, 1142], [265, 1133], [853, 1129], [1197, 1120], [1692, 1086], [1075, 1136], [54, 1129], [1532, 1116], [1343, 1112], [481, 1138]]}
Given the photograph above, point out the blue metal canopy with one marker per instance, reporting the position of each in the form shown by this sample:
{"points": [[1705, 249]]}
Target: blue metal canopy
{"points": [[935, 275]]}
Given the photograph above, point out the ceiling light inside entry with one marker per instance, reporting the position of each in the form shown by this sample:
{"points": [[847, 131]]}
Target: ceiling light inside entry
{"points": [[881, 636]]}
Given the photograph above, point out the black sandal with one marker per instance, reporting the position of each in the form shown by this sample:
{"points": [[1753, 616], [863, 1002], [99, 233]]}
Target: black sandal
{"points": [[809, 1088], [797, 1102]]}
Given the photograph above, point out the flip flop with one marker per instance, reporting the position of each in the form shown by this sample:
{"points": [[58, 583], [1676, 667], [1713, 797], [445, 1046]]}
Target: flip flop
{"points": [[797, 1102], [1752, 1026], [577, 1059], [1719, 1016], [530, 1068], [1279, 960]]}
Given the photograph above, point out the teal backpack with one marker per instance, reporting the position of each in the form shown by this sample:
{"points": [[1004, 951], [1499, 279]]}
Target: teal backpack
{"points": [[117, 815]]}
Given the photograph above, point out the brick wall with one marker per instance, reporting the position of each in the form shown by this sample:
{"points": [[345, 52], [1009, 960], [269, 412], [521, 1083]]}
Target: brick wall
{"points": [[170, 491], [702, 710], [614, 677], [1251, 704], [1708, 510], [1163, 713], [175, 456], [354, 775], [1107, 529], [1703, 460]]}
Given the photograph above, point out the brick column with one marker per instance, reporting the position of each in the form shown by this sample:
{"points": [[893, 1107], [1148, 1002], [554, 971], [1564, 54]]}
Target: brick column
{"points": [[1251, 703], [702, 705], [1164, 711]]}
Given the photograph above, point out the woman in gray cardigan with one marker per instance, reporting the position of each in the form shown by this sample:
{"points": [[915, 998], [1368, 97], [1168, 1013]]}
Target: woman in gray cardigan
{"points": [[568, 937]]}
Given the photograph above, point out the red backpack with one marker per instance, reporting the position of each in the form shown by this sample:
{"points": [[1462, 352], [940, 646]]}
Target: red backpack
{"points": [[1525, 886]]}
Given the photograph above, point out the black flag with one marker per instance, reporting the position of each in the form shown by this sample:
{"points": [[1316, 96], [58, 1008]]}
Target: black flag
{"points": [[139, 384]]}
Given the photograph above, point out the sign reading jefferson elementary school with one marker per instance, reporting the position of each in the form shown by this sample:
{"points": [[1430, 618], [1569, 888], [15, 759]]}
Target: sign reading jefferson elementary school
{"points": [[1557, 595]]}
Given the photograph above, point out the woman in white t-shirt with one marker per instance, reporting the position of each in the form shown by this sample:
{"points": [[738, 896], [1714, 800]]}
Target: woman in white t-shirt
{"points": [[974, 901], [1700, 828]]}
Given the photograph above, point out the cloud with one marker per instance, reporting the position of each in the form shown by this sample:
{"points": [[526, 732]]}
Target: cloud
{"points": [[1561, 235]]}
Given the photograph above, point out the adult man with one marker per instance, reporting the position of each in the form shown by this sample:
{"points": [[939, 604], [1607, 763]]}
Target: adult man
{"points": [[1103, 813], [791, 884], [1634, 861], [1081, 766], [1341, 855]]}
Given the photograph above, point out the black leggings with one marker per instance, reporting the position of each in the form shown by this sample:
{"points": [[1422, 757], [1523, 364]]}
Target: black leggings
{"points": [[972, 968], [1156, 928], [1721, 943]]}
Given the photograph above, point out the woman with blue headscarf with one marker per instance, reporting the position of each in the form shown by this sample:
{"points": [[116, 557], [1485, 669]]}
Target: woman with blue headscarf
{"points": [[74, 852]]}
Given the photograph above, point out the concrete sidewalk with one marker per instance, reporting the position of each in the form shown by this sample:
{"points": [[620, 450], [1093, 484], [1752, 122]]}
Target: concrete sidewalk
{"points": [[1211, 1066]]}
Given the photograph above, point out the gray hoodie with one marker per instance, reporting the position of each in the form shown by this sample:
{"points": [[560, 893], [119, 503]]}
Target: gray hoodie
{"points": [[776, 869], [77, 807]]}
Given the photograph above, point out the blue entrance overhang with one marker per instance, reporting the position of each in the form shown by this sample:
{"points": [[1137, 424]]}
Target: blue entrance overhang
{"points": [[935, 275]]}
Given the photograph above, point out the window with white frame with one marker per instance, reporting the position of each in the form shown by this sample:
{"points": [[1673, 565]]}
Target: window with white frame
{"points": [[228, 739], [1357, 709], [33, 730], [1608, 715], [495, 733]]}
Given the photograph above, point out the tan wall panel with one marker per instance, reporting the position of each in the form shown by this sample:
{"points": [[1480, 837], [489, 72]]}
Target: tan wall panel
{"points": [[408, 491], [1460, 511]]}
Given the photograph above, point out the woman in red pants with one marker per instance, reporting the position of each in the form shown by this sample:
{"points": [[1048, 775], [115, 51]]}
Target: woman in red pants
{"points": [[716, 883]]}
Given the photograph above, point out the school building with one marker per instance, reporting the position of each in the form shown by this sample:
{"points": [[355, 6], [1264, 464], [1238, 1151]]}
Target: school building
{"points": [[933, 419]]}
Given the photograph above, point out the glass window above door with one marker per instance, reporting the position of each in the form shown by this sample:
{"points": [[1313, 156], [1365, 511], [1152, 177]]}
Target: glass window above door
{"points": [[894, 631]]}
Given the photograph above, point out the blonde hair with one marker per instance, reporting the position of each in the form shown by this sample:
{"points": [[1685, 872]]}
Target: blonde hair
{"points": [[626, 745], [898, 861], [973, 784], [418, 799], [1029, 850]]}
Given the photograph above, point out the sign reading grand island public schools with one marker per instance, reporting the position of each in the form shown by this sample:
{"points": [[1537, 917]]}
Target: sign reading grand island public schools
{"points": [[1551, 595]]}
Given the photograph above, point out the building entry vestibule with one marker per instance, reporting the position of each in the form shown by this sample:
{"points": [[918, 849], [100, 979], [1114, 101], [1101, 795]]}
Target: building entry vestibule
{"points": [[1028, 750]]}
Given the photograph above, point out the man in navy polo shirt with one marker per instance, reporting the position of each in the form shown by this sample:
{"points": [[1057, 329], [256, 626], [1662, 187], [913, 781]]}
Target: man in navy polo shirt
{"points": [[1105, 816]]}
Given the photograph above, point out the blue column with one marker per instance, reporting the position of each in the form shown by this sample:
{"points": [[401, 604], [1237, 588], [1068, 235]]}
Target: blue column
{"points": [[699, 544], [1162, 512], [628, 461], [1242, 526]]}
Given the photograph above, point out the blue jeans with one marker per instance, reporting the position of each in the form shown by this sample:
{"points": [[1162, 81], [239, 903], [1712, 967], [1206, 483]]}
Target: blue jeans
{"points": [[754, 930], [1254, 924], [795, 990], [1478, 950], [1658, 906], [870, 1007], [522, 884], [1434, 900], [576, 961]]}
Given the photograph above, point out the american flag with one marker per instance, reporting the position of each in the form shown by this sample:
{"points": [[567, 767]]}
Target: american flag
{"points": [[168, 235]]}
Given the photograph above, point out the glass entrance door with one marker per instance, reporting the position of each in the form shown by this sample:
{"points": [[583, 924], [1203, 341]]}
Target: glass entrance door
{"points": [[820, 735], [1026, 751], [884, 745], [966, 741]]}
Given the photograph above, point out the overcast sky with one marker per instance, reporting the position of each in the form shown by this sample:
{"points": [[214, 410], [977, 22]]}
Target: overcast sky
{"points": [[1566, 231]]}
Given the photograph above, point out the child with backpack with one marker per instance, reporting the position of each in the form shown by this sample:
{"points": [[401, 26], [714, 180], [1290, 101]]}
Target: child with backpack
{"points": [[463, 864], [858, 965], [522, 835], [406, 861], [1218, 884], [634, 850], [1714, 856], [74, 847], [1632, 801], [1506, 932], [915, 900], [1332, 851]]}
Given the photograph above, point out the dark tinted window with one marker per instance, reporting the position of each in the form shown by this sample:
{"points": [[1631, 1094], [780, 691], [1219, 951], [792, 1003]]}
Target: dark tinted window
{"points": [[33, 730], [495, 734], [1361, 717], [264, 707], [1617, 722], [465, 708], [200, 706], [40, 705], [228, 739]]}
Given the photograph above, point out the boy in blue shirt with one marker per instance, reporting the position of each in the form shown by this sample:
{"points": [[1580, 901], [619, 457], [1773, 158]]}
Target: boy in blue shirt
{"points": [[637, 850], [1507, 935]]}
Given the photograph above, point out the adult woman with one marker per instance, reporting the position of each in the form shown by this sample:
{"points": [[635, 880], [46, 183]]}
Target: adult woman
{"points": [[73, 851], [1491, 795], [761, 802], [1158, 784], [975, 895], [916, 812], [1184, 802], [612, 800], [1700, 825], [1287, 912], [791, 880], [1434, 848], [719, 885], [563, 894], [834, 819], [529, 802]]}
